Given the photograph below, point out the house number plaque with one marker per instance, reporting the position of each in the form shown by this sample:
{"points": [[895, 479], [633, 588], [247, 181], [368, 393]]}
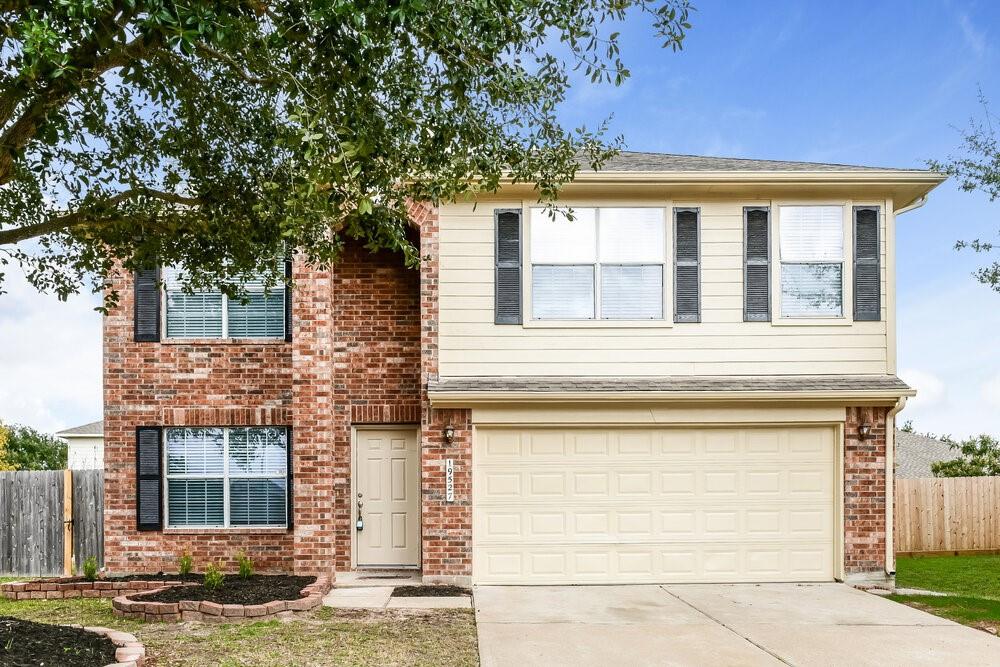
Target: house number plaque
{"points": [[449, 480]]}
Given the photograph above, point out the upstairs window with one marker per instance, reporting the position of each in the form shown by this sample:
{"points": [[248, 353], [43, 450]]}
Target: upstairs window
{"points": [[606, 263], [226, 476], [811, 240], [211, 314]]}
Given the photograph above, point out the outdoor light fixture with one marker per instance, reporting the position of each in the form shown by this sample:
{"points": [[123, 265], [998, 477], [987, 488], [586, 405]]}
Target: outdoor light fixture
{"points": [[449, 433], [865, 430]]}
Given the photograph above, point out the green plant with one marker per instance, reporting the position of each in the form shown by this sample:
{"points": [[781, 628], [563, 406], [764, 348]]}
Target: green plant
{"points": [[185, 563], [246, 565], [213, 577], [90, 568]]}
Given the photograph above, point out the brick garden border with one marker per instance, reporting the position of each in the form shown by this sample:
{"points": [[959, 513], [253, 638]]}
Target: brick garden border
{"points": [[129, 652], [213, 612], [54, 589]]}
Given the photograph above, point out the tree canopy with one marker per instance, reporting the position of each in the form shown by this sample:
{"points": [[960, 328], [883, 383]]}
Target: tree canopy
{"points": [[977, 168], [977, 457], [212, 134], [28, 449]]}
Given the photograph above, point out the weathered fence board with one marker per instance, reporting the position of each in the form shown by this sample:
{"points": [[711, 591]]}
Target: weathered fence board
{"points": [[31, 537], [31, 520], [947, 514], [88, 516]]}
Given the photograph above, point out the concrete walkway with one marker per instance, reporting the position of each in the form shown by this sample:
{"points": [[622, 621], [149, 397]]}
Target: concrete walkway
{"points": [[747, 624]]}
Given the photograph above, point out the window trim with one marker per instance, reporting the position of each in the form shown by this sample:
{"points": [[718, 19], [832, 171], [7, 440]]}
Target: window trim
{"points": [[846, 274], [226, 525], [528, 319], [224, 338]]}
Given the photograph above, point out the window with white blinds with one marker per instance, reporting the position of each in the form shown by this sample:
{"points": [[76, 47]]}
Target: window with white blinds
{"points": [[214, 315], [219, 477], [811, 245], [606, 263]]}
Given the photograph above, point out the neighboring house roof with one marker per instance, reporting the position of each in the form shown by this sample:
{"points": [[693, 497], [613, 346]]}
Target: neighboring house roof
{"points": [[91, 429], [916, 452], [639, 387], [663, 162]]}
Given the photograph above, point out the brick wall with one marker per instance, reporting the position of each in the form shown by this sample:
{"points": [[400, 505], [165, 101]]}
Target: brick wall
{"points": [[864, 492]]}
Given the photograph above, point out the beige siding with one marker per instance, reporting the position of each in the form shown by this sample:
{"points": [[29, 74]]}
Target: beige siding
{"points": [[722, 344]]}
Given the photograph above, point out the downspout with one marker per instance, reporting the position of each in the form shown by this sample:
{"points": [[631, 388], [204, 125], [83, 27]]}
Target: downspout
{"points": [[890, 484]]}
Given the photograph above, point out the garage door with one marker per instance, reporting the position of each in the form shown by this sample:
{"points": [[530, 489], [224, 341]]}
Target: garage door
{"points": [[653, 505]]}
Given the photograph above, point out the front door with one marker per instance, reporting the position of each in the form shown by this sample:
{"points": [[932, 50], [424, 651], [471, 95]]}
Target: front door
{"points": [[387, 497]]}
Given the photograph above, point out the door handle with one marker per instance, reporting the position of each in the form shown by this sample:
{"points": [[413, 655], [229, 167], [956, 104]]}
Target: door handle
{"points": [[360, 525]]}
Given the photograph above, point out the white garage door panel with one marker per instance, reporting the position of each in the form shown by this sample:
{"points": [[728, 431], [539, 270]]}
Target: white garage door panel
{"points": [[644, 505]]}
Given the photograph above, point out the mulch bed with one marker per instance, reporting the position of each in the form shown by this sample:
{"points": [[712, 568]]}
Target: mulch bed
{"points": [[429, 592], [159, 576], [256, 589], [29, 644]]}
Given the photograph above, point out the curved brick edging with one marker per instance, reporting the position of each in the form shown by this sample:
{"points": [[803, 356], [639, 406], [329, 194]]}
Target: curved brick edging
{"points": [[129, 653], [53, 589], [213, 612]]}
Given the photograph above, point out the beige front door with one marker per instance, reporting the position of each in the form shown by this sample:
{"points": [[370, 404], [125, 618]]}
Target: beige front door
{"points": [[387, 497]]}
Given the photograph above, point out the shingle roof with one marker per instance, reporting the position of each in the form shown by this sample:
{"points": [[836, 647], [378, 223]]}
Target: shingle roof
{"points": [[93, 428], [916, 452], [660, 162], [681, 383]]}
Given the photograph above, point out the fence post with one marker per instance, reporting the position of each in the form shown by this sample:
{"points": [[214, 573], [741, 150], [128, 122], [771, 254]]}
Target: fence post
{"points": [[67, 522]]}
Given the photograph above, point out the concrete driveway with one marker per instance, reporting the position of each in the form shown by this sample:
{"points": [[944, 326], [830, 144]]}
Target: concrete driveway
{"points": [[745, 624]]}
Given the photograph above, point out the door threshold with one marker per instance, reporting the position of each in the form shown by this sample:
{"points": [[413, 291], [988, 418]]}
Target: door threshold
{"points": [[379, 577]]}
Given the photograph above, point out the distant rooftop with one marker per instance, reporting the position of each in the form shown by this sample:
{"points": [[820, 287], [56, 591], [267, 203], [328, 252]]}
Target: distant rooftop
{"points": [[916, 452], [665, 162], [93, 428]]}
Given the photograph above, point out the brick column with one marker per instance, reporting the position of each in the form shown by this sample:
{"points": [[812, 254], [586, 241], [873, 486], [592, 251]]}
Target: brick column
{"points": [[446, 527], [864, 494], [313, 417]]}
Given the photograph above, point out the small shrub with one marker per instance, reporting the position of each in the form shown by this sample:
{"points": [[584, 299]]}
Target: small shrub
{"points": [[213, 577], [246, 565], [185, 564], [90, 569]]}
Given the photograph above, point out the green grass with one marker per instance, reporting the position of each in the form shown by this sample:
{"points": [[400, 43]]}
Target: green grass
{"points": [[326, 636], [975, 576], [959, 608]]}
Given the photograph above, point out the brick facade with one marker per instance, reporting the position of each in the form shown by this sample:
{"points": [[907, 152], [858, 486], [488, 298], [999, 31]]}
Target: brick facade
{"points": [[864, 492], [364, 346]]}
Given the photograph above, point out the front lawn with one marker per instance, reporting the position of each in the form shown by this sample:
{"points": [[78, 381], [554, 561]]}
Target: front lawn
{"points": [[972, 584], [323, 637], [977, 576]]}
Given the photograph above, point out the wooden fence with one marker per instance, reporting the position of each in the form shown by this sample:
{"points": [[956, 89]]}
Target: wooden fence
{"points": [[947, 514], [50, 518]]}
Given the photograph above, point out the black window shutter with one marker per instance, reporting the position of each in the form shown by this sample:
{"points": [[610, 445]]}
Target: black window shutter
{"points": [[289, 513], [147, 305], [687, 256], [148, 478], [756, 264], [507, 308], [867, 281], [288, 299]]}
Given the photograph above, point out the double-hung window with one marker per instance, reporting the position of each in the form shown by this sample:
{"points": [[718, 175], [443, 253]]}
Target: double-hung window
{"points": [[811, 240], [218, 477], [211, 314], [605, 264]]}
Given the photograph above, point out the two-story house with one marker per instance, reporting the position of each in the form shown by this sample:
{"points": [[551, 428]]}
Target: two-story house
{"points": [[691, 380]]}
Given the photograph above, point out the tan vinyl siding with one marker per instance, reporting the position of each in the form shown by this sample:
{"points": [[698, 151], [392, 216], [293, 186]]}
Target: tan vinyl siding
{"points": [[722, 344]]}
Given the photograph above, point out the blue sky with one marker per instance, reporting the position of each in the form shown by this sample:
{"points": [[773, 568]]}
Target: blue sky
{"points": [[869, 83]]}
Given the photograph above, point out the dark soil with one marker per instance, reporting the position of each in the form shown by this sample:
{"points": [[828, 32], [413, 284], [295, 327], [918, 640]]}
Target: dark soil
{"points": [[28, 644], [159, 576], [256, 589], [429, 592]]}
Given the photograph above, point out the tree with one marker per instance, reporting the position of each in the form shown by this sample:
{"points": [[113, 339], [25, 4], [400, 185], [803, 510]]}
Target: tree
{"points": [[978, 456], [5, 464], [977, 167], [212, 134], [28, 449]]}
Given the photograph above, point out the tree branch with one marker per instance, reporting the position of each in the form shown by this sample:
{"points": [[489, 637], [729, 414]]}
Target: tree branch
{"points": [[69, 220]]}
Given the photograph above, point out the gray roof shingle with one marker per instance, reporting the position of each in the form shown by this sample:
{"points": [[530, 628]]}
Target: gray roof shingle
{"points": [[93, 428], [664, 162], [916, 452], [679, 383]]}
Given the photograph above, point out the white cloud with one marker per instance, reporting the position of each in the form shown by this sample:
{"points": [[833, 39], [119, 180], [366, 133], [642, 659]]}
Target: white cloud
{"points": [[50, 357], [991, 391], [931, 391], [974, 39]]}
